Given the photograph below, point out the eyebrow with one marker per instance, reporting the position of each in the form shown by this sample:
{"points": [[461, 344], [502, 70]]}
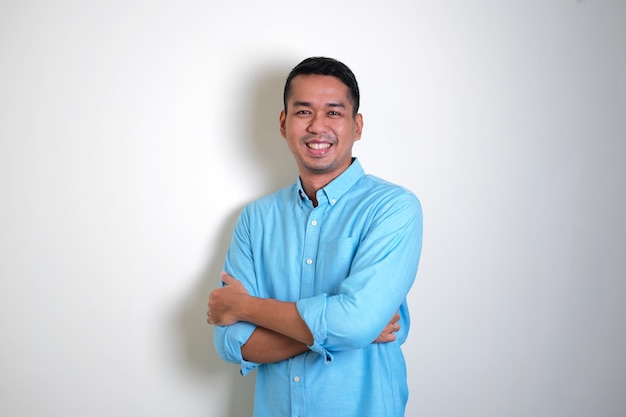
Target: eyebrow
{"points": [[308, 104]]}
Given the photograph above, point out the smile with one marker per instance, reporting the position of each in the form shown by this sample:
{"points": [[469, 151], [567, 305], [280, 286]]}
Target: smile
{"points": [[318, 145]]}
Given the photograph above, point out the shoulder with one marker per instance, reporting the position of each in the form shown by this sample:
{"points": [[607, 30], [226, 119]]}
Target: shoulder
{"points": [[381, 202], [278, 200], [376, 189]]}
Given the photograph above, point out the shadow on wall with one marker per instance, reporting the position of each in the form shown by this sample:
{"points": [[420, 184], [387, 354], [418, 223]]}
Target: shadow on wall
{"points": [[262, 148]]}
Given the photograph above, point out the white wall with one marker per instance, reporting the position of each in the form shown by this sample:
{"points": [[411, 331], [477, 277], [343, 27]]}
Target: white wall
{"points": [[132, 132]]}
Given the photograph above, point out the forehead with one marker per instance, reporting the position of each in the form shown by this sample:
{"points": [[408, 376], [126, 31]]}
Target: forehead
{"points": [[319, 89]]}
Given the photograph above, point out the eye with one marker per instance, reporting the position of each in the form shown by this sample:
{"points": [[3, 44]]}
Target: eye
{"points": [[334, 113], [303, 112]]}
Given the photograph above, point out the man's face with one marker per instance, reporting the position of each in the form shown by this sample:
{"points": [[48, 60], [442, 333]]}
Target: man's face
{"points": [[319, 126]]}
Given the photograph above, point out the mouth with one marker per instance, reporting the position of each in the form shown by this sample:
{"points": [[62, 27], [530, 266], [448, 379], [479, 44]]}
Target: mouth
{"points": [[318, 146]]}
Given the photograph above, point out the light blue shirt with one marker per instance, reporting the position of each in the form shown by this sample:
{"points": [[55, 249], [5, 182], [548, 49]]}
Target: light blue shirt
{"points": [[348, 264]]}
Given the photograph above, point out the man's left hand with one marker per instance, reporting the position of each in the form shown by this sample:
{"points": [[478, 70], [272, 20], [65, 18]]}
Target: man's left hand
{"points": [[388, 333]]}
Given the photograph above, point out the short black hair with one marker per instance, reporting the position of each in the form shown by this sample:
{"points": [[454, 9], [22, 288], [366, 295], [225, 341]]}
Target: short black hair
{"points": [[326, 66]]}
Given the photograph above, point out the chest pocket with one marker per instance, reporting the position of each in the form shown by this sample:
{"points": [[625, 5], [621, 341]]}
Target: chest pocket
{"points": [[335, 262]]}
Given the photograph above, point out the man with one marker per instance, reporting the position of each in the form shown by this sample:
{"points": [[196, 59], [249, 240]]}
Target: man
{"points": [[317, 274]]}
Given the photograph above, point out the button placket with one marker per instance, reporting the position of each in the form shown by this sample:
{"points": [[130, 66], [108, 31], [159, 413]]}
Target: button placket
{"points": [[311, 244]]}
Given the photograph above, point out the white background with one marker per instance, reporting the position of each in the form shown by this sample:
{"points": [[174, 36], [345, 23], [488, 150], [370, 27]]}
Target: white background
{"points": [[132, 133]]}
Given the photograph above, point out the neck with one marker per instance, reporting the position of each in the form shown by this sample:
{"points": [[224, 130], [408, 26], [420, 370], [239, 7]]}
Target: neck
{"points": [[313, 182], [311, 186]]}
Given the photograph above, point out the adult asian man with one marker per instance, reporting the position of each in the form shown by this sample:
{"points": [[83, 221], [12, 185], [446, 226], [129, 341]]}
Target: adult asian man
{"points": [[317, 274]]}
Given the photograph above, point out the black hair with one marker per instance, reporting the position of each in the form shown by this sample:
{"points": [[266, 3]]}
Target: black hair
{"points": [[325, 66]]}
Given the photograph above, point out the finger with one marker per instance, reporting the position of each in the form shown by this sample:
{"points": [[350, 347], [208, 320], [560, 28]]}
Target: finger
{"points": [[227, 279], [385, 338], [395, 318]]}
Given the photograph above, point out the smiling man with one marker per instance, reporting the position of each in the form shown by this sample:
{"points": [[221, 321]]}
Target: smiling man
{"points": [[316, 275]]}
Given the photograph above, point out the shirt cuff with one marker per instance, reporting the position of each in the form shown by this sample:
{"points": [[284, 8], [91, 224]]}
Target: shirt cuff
{"points": [[228, 343], [312, 311], [321, 350], [247, 367]]}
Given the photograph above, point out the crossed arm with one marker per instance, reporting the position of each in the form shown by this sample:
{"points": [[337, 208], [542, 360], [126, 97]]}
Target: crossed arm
{"points": [[280, 333]]}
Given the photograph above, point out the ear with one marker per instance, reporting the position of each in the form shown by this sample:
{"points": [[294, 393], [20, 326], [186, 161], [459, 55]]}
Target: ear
{"points": [[282, 119], [358, 122]]}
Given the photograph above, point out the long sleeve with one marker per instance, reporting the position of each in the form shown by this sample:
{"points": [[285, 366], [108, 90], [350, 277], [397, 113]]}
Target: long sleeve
{"points": [[239, 263], [381, 274]]}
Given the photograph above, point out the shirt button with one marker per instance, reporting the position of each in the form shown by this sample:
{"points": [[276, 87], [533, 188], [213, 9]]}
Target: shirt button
{"points": [[333, 201], [296, 379], [309, 261], [314, 223]]}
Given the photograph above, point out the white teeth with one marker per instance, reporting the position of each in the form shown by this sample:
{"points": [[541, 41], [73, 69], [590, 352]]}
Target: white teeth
{"points": [[319, 145]]}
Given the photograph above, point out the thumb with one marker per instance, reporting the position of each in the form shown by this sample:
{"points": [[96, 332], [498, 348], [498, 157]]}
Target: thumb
{"points": [[227, 279]]}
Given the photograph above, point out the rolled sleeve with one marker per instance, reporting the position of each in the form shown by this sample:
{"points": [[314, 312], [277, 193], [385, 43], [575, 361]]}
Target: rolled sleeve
{"points": [[228, 343], [312, 311], [238, 263]]}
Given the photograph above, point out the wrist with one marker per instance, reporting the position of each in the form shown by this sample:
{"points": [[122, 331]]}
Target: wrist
{"points": [[244, 308]]}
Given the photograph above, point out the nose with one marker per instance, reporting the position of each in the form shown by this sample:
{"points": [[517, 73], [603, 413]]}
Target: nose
{"points": [[317, 123]]}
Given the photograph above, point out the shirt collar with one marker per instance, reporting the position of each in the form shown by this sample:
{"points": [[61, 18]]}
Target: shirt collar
{"points": [[334, 190]]}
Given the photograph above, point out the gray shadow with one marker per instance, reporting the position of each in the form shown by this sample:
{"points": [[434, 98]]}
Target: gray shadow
{"points": [[198, 353], [264, 148], [261, 147]]}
